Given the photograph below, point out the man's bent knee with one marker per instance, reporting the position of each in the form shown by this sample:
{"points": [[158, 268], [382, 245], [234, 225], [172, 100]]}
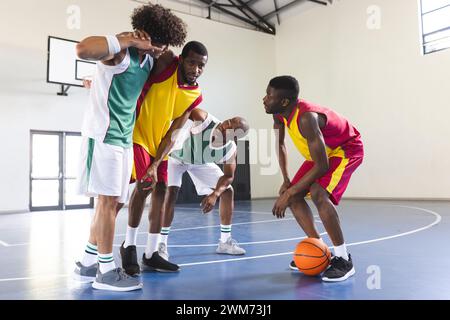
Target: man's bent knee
{"points": [[298, 198], [319, 195], [161, 187], [140, 186]]}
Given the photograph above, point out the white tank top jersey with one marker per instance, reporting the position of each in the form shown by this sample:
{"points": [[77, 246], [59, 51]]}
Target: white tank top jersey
{"points": [[110, 115]]}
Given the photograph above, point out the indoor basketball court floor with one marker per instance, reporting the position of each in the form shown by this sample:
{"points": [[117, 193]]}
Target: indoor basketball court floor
{"points": [[399, 249]]}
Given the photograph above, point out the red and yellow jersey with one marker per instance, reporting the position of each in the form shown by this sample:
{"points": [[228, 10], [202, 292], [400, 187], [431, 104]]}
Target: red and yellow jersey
{"points": [[162, 100], [341, 138]]}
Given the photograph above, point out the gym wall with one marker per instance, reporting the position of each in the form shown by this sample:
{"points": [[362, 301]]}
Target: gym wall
{"points": [[241, 62], [379, 79]]}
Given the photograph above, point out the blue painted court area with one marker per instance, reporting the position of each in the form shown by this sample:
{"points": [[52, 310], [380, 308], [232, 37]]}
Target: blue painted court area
{"points": [[399, 251]]}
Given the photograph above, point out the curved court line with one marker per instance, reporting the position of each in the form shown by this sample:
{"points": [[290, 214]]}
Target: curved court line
{"points": [[234, 259], [238, 211], [216, 226], [435, 222], [179, 229], [215, 244], [438, 220]]}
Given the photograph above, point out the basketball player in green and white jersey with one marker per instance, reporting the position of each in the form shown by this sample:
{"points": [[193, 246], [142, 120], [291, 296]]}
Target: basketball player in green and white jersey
{"points": [[123, 65], [205, 143]]}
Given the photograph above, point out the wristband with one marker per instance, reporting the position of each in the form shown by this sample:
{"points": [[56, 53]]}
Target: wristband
{"points": [[113, 45]]}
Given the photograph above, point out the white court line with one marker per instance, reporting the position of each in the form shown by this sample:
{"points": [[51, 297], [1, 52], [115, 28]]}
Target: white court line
{"points": [[4, 243], [18, 244], [238, 211], [435, 222], [256, 212], [438, 220], [216, 226], [235, 259], [215, 244], [177, 229], [36, 278]]}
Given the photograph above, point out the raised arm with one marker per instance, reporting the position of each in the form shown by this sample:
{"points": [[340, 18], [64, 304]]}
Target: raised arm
{"points": [[111, 49]]}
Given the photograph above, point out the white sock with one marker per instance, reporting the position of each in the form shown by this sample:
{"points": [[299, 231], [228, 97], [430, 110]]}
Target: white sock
{"points": [[225, 232], [152, 244], [90, 255], [341, 251], [106, 262], [131, 236], [164, 234]]}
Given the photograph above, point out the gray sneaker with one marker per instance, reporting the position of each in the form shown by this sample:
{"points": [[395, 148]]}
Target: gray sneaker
{"points": [[231, 246], [84, 274], [162, 251], [116, 280]]}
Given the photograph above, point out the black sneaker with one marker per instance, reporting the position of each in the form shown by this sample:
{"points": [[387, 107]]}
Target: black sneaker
{"points": [[339, 269], [129, 260], [292, 266], [157, 263]]}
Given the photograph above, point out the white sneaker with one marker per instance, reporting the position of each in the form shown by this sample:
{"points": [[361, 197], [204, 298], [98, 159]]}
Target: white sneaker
{"points": [[162, 251], [231, 246]]}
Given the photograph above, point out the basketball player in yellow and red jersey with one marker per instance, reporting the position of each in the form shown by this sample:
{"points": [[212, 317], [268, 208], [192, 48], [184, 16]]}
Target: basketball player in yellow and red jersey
{"points": [[170, 94], [333, 150]]}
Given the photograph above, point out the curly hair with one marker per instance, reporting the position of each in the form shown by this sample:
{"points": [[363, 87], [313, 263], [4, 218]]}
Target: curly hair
{"points": [[160, 23]]}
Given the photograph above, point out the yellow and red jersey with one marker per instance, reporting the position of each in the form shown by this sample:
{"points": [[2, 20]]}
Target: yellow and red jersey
{"points": [[162, 100], [343, 145], [341, 138]]}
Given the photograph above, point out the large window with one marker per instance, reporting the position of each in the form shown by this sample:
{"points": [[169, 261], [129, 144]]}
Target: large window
{"points": [[53, 169], [435, 25]]}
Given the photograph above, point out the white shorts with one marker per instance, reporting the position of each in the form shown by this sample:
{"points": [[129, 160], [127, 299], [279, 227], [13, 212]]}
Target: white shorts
{"points": [[104, 169], [204, 176]]}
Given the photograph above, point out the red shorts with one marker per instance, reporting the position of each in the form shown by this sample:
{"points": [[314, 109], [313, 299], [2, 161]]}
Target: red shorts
{"points": [[336, 180], [142, 160]]}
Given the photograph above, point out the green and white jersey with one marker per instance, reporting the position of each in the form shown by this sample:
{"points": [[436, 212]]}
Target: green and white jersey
{"points": [[194, 145], [110, 115]]}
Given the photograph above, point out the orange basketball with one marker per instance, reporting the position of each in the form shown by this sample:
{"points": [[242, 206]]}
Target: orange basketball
{"points": [[312, 256]]}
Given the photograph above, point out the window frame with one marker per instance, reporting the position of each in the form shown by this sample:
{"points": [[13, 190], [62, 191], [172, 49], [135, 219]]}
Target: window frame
{"points": [[62, 175], [424, 43]]}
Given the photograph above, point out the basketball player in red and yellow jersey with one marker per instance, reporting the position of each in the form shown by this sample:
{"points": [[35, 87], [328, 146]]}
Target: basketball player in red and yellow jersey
{"points": [[165, 104], [333, 150]]}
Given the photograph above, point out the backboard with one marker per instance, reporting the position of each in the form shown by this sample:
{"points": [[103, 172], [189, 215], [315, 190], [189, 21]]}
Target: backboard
{"points": [[63, 65]]}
